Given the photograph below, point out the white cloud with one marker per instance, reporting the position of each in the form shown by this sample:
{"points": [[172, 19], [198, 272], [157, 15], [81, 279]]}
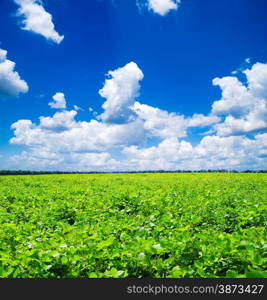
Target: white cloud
{"points": [[257, 80], [163, 7], [244, 105], [59, 101], [10, 82], [160, 123], [77, 108], [120, 90], [213, 152], [38, 20], [255, 120], [45, 160], [170, 149], [236, 98], [61, 121], [118, 139], [62, 133], [199, 120]]}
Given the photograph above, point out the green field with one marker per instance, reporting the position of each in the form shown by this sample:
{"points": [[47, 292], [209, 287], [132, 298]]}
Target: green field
{"points": [[133, 225]]}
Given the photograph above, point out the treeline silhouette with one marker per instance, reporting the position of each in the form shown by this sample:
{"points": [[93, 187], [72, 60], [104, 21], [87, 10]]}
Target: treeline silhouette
{"points": [[27, 172]]}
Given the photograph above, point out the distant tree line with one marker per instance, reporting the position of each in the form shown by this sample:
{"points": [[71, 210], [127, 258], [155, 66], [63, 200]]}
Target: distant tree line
{"points": [[27, 172]]}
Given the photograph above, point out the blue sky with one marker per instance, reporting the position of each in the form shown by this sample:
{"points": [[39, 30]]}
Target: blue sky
{"points": [[178, 53]]}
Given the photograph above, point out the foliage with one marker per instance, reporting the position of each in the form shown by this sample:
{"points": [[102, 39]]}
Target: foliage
{"points": [[133, 225]]}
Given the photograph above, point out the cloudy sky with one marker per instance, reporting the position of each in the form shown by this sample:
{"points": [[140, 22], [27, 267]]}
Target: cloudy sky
{"points": [[112, 85]]}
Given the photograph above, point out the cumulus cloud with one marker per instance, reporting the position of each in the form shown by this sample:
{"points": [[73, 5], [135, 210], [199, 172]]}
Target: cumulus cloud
{"points": [[163, 7], [255, 120], [160, 123], [61, 121], [45, 160], [257, 80], [212, 152], [62, 132], [59, 101], [236, 98], [118, 139], [10, 82], [244, 105], [37, 19], [120, 89], [200, 120]]}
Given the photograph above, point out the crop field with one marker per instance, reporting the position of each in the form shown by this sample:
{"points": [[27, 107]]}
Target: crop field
{"points": [[133, 225]]}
